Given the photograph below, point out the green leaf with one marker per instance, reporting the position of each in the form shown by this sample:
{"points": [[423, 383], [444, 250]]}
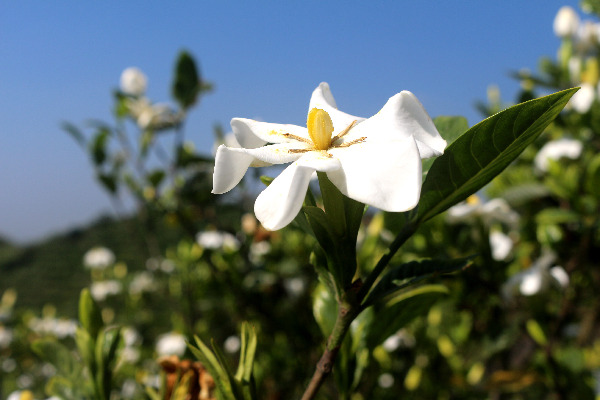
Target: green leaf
{"points": [[156, 177], [415, 270], [109, 181], [215, 369], [75, 133], [551, 216], [187, 84], [98, 146], [450, 128], [484, 151], [536, 332], [59, 356], [89, 314], [324, 308], [247, 353], [401, 310]]}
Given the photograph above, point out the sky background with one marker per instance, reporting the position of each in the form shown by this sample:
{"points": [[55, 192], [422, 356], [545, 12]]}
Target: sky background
{"points": [[61, 60]]}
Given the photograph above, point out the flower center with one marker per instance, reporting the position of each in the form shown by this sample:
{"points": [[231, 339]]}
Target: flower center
{"points": [[320, 128]]}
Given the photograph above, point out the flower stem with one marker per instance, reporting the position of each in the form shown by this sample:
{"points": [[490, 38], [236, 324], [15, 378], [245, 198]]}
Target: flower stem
{"points": [[346, 314]]}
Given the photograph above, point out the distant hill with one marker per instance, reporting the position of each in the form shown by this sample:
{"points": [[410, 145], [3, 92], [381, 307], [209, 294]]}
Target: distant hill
{"points": [[52, 271]]}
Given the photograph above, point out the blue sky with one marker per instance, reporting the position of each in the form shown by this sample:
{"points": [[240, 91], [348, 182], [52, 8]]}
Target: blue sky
{"points": [[60, 60]]}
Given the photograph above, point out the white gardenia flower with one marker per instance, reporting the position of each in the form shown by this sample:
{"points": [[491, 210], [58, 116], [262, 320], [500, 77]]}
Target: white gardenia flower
{"points": [[473, 209], [376, 161], [133, 81], [98, 258], [555, 150], [537, 278], [172, 343], [566, 22]]}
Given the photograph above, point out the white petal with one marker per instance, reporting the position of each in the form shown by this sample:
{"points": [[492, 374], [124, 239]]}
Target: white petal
{"points": [[400, 117], [501, 245], [383, 175], [251, 134], [560, 276], [230, 168], [274, 154], [323, 99], [532, 281], [281, 201]]}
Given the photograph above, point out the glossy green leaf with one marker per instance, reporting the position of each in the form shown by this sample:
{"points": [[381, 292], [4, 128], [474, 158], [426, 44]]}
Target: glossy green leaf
{"points": [[416, 270], [401, 310], [89, 314], [484, 151], [187, 84], [324, 309]]}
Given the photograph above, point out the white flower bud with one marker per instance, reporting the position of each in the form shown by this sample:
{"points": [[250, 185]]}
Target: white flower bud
{"points": [[133, 81], [566, 22]]}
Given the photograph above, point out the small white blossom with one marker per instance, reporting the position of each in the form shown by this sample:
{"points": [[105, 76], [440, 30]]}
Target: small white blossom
{"points": [[102, 289], [501, 245], [566, 22], [494, 210], [555, 150], [98, 258], [142, 282], [133, 82], [172, 343], [217, 240], [61, 328], [583, 99], [386, 380], [6, 337], [232, 344], [536, 279], [376, 161]]}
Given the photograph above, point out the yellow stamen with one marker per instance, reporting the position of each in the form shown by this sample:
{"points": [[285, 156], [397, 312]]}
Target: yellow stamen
{"points": [[320, 128]]}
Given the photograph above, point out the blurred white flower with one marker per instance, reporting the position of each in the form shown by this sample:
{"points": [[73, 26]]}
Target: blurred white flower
{"points": [[172, 343], [258, 250], [232, 344], [402, 338], [386, 380], [6, 337], [8, 365], [495, 210], [569, 148], [583, 99], [217, 240], [566, 22], [61, 328], [501, 245], [294, 286], [20, 395], [133, 81], [102, 289], [98, 258], [152, 116], [130, 352], [142, 282], [536, 279]]}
